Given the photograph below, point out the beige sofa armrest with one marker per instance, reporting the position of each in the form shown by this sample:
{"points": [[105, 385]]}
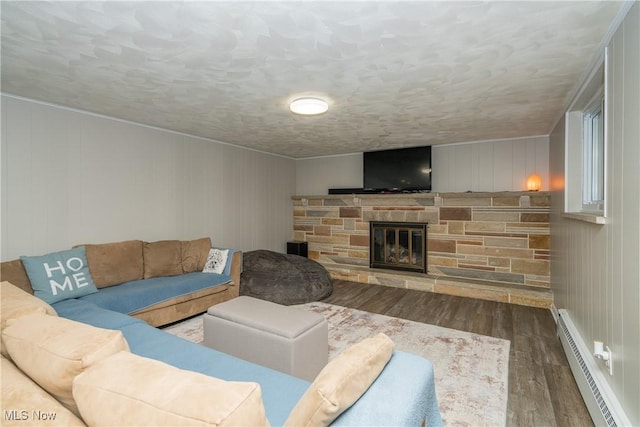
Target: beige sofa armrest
{"points": [[14, 272], [236, 271]]}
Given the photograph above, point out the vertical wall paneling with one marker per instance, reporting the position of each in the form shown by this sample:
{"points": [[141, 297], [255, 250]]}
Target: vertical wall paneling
{"points": [[3, 180], [503, 165], [439, 168], [615, 199], [215, 181], [519, 164], [194, 172], [18, 199], [317, 175], [630, 105], [483, 156], [463, 179], [70, 177], [595, 269], [500, 165], [260, 198], [541, 166]]}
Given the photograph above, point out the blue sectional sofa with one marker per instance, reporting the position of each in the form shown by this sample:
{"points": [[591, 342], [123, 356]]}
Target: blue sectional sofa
{"points": [[402, 395], [163, 281]]}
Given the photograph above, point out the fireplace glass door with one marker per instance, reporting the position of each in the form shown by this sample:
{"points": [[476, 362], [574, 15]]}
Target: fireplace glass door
{"points": [[399, 246]]}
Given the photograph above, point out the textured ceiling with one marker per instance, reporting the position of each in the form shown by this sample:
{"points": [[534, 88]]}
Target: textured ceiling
{"points": [[396, 73]]}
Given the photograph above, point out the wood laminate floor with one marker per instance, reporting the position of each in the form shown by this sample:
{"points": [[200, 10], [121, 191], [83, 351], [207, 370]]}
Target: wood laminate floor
{"points": [[542, 390]]}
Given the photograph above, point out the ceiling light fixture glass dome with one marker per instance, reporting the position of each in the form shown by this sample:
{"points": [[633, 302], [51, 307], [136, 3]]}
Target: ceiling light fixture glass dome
{"points": [[308, 106]]}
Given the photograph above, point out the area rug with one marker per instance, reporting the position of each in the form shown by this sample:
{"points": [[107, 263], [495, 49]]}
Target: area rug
{"points": [[471, 370]]}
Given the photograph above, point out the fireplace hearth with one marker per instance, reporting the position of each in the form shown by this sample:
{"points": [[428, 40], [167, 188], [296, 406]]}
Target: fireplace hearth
{"points": [[398, 245]]}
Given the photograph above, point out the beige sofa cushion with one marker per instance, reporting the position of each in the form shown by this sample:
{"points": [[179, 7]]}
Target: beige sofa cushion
{"points": [[14, 272], [52, 351], [342, 382], [162, 258], [16, 303], [26, 404], [127, 389], [114, 263], [194, 254]]}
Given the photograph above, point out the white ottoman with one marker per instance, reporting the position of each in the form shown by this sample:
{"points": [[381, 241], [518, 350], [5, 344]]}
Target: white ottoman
{"points": [[283, 338]]}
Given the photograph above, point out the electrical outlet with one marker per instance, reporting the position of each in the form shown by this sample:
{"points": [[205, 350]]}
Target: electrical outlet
{"points": [[603, 352]]}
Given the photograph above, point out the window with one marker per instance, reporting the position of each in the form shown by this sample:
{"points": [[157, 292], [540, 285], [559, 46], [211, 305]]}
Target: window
{"points": [[585, 149], [593, 153]]}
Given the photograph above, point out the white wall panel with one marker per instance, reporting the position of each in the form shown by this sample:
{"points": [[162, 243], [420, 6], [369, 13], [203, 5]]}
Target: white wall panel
{"points": [[482, 155], [519, 165], [460, 176], [316, 175], [444, 170], [595, 269], [629, 106], [501, 165], [69, 177]]}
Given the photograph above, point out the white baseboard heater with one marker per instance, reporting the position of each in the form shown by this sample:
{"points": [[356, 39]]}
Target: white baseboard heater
{"points": [[602, 403]]}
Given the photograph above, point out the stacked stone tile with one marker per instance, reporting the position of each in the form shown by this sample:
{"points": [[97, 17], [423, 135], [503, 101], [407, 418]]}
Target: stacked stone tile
{"points": [[484, 245]]}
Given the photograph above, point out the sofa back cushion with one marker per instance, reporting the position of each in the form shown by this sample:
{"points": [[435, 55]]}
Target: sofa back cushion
{"points": [[341, 382], [162, 258], [16, 303], [194, 254], [24, 403], [115, 263], [52, 351], [127, 389], [14, 272], [60, 275]]}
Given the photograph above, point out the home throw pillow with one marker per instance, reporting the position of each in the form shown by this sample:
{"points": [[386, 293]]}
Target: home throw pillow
{"points": [[216, 261], [60, 275]]}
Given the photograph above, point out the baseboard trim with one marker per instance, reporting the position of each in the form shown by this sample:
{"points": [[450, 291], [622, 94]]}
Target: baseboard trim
{"points": [[601, 401]]}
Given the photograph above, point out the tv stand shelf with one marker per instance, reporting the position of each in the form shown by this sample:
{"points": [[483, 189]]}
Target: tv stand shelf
{"points": [[374, 191]]}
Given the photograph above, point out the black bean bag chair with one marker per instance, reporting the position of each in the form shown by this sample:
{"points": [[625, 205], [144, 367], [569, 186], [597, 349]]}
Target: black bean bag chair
{"points": [[283, 278]]}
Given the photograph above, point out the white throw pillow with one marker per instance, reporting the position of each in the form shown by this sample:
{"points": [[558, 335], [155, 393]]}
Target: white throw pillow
{"points": [[216, 261]]}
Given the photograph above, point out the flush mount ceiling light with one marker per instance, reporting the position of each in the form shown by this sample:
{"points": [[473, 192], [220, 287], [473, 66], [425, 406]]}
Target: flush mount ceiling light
{"points": [[308, 106]]}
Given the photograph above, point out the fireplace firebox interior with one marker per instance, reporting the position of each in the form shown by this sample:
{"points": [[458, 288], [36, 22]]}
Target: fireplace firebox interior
{"points": [[398, 245]]}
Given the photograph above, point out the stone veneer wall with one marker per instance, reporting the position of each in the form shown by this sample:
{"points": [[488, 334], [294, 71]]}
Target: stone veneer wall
{"points": [[485, 245]]}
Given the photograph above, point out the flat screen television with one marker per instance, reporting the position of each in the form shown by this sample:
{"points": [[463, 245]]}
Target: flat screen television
{"points": [[398, 170]]}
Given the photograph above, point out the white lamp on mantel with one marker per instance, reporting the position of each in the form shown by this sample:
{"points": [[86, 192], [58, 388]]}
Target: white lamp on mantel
{"points": [[534, 182]]}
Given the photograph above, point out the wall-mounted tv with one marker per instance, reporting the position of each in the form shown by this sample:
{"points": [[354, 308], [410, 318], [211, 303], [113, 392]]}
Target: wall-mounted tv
{"points": [[398, 170]]}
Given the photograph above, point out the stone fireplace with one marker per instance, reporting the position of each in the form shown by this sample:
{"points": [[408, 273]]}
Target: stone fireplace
{"points": [[493, 246], [398, 245]]}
